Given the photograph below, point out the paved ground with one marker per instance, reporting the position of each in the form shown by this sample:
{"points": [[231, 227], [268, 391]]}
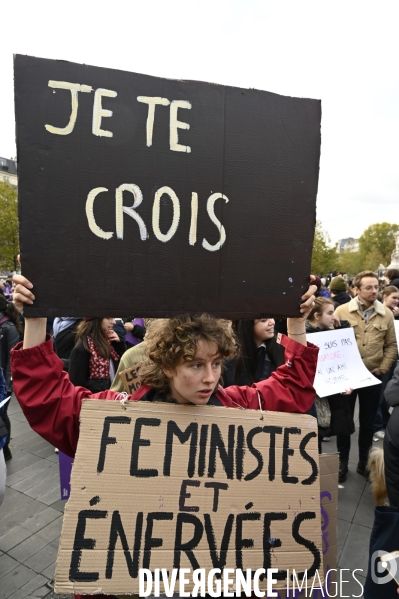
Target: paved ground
{"points": [[31, 516]]}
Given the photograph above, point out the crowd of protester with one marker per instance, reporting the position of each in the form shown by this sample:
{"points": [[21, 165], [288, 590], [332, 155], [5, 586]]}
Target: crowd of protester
{"points": [[249, 366], [95, 350]]}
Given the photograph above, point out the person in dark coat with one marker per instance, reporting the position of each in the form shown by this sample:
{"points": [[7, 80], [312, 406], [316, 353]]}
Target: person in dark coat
{"points": [[64, 333], [338, 291], [391, 458], [392, 277], [94, 359], [391, 441], [10, 335], [259, 355], [3, 437]]}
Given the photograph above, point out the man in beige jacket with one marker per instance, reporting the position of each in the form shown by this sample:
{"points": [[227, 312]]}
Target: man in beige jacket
{"points": [[374, 329]]}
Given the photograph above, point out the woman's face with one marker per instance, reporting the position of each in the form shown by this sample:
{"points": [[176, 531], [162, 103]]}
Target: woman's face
{"points": [[194, 382], [107, 325], [263, 330], [392, 300], [326, 319]]}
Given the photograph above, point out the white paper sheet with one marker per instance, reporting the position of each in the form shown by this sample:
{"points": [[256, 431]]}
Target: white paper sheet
{"points": [[339, 366]]}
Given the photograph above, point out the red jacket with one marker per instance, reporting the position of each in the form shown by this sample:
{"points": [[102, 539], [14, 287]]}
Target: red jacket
{"points": [[52, 404]]}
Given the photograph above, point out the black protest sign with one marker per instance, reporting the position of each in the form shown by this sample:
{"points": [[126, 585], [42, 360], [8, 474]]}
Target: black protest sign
{"points": [[158, 485], [162, 196]]}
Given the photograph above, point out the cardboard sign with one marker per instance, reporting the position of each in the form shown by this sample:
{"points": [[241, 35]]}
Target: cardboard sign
{"points": [[339, 364], [131, 378], [166, 486], [182, 196], [329, 465]]}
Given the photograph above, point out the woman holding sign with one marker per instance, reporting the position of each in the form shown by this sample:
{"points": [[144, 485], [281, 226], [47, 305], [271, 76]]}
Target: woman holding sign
{"points": [[185, 366], [334, 416]]}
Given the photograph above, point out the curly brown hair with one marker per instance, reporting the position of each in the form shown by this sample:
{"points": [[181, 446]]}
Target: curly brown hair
{"points": [[169, 342]]}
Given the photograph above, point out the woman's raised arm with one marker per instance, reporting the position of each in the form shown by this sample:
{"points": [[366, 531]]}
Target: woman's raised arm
{"points": [[296, 326], [35, 328]]}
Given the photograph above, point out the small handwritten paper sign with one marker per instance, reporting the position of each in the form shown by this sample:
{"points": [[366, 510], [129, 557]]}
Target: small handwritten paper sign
{"points": [[339, 365]]}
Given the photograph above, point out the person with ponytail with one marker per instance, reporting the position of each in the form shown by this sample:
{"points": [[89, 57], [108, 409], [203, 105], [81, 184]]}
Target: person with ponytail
{"points": [[94, 359]]}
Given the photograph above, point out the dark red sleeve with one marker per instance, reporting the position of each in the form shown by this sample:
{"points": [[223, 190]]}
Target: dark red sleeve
{"points": [[48, 399], [289, 388]]}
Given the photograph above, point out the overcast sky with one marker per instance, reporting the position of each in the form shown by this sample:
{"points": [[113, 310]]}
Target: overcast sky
{"points": [[343, 52]]}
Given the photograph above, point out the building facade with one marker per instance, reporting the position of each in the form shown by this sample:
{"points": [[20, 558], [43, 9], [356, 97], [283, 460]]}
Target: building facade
{"points": [[348, 245], [8, 171]]}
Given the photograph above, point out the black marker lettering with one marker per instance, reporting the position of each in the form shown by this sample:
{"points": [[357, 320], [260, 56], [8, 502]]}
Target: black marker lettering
{"points": [[202, 452], [106, 439], [270, 542], [306, 542], [80, 543], [255, 452], [139, 442], [216, 488], [151, 542], [240, 541], [273, 431], [302, 450], [227, 457], [116, 531], [183, 436], [286, 453], [240, 451], [184, 495], [218, 561], [188, 546]]}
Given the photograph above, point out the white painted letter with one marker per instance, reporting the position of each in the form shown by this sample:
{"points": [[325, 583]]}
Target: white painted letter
{"points": [[156, 214], [94, 228], [99, 112], [183, 581], [270, 582], [257, 591], [210, 208], [199, 583], [174, 125], [148, 579], [152, 102], [192, 238], [120, 209], [228, 582], [212, 581], [74, 88], [169, 587], [243, 583]]}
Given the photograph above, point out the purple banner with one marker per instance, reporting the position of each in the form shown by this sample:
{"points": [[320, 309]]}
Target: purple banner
{"points": [[65, 464], [129, 337]]}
